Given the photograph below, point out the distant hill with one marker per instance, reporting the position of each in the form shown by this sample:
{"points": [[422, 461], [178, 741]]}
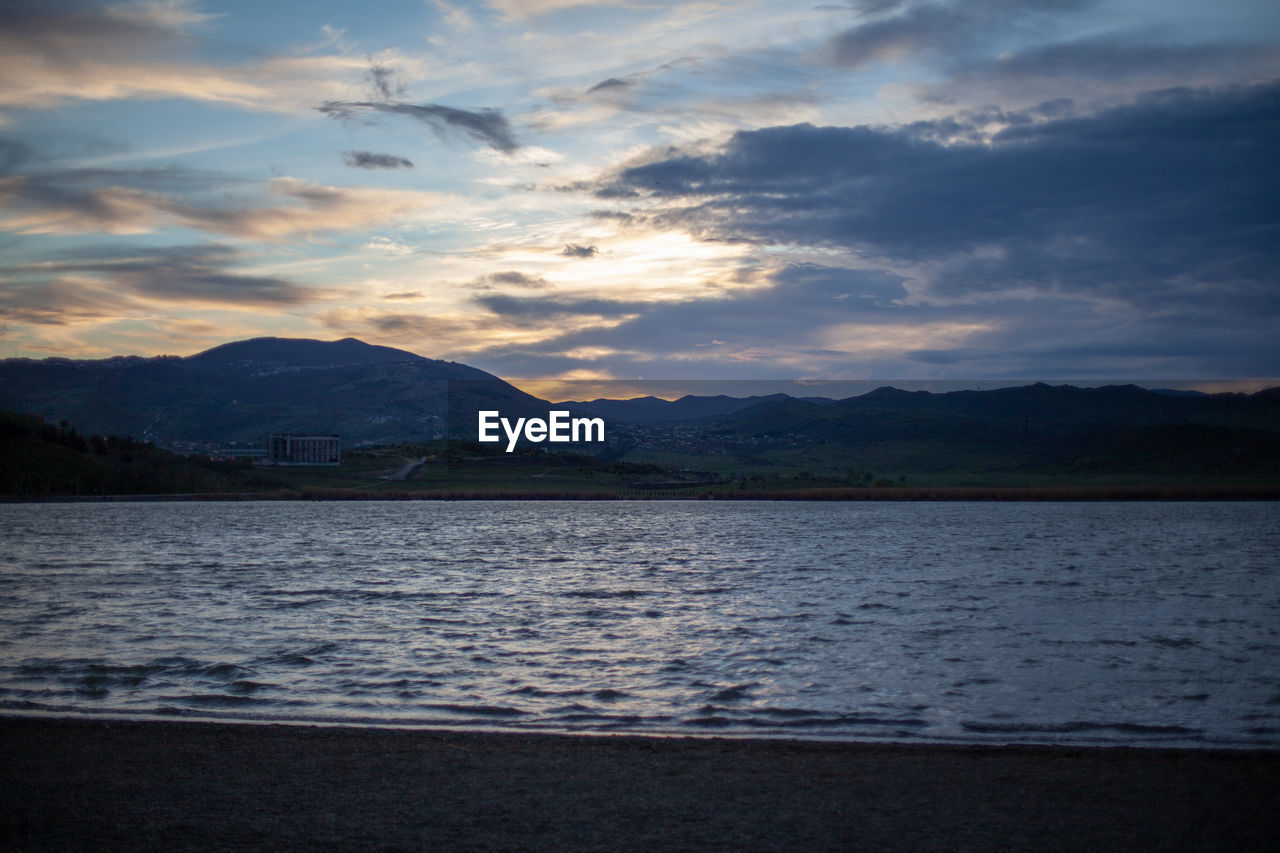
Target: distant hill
{"points": [[654, 410], [41, 460], [243, 391], [1043, 428]]}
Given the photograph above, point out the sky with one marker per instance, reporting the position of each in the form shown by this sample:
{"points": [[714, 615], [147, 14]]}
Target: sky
{"points": [[650, 189]]}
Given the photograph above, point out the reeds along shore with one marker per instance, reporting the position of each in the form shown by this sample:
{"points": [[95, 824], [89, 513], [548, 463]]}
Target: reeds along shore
{"points": [[728, 493], [131, 785]]}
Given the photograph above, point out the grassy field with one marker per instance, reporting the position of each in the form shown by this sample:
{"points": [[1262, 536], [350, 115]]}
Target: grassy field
{"points": [[44, 462], [464, 474]]}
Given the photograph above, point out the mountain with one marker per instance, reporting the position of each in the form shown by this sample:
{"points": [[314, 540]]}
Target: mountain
{"points": [[653, 410], [243, 391], [1038, 427]]}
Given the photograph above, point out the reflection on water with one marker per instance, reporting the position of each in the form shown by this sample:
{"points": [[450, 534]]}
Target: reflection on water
{"points": [[1075, 622]]}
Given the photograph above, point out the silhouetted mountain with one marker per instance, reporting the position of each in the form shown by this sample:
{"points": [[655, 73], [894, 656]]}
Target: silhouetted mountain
{"points": [[653, 410], [242, 391], [263, 356], [1035, 427]]}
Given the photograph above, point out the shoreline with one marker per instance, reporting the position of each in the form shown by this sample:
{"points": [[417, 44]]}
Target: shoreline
{"points": [[124, 784], [712, 734], [1028, 494]]}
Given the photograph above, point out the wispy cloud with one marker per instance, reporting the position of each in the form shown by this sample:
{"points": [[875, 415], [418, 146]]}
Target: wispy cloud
{"points": [[534, 8], [485, 125], [64, 302], [105, 282], [137, 202], [54, 52]]}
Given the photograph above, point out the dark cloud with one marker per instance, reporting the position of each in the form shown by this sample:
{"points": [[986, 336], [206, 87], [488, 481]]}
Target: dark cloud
{"points": [[530, 307], [611, 83], [937, 29], [108, 200], [511, 278], [723, 331], [59, 303], [385, 81], [414, 324], [1116, 57], [13, 154], [614, 190], [394, 325], [1109, 66], [148, 179], [53, 50], [370, 160], [573, 250], [202, 274], [489, 126], [1160, 203], [134, 201], [815, 319], [51, 23], [619, 216]]}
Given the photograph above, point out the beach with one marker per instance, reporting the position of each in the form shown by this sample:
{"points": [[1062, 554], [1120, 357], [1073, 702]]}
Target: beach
{"points": [[157, 785]]}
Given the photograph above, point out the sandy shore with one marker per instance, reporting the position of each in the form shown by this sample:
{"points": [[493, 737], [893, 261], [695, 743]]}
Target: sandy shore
{"points": [[81, 785]]}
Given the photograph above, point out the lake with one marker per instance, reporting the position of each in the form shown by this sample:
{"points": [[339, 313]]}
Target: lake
{"points": [[1085, 623]]}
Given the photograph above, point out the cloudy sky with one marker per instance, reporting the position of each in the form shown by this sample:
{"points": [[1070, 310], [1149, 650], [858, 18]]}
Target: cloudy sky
{"points": [[642, 188]]}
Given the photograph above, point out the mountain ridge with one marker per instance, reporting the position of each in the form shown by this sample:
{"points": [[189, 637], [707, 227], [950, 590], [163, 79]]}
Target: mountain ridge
{"points": [[241, 391]]}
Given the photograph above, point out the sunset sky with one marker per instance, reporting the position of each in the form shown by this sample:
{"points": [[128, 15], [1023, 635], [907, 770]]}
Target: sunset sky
{"points": [[640, 188]]}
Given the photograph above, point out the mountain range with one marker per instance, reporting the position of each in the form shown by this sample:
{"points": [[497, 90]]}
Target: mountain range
{"points": [[241, 392]]}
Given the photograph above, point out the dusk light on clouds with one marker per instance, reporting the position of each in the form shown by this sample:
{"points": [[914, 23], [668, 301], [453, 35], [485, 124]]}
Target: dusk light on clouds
{"points": [[1054, 188]]}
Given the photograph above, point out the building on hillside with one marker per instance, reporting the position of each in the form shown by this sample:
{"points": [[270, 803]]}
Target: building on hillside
{"points": [[255, 453], [290, 449]]}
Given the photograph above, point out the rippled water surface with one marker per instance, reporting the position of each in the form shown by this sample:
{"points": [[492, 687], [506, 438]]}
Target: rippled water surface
{"points": [[1070, 622]]}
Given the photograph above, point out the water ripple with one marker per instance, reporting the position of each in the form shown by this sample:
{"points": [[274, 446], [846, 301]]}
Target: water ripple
{"points": [[1065, 623]]}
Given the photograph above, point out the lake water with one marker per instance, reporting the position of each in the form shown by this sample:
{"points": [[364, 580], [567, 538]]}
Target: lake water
{"points": [[1146, 623]]}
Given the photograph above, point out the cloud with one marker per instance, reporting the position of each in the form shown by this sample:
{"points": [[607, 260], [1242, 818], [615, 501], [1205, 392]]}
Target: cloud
{"points": [[777, 325], [938, 30], [535, 8], [74, 285], [398, 325], [389, 246], [1119, 56], [385, 81], [821, 320], [369, 160], [553, 306], [611, 83], [13, 153], [67, 301], [1112, 67], [573, 250], [146, 200], [486, 125], [1052, 241], [58, 51], [1156, 203], [511, 278]]}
